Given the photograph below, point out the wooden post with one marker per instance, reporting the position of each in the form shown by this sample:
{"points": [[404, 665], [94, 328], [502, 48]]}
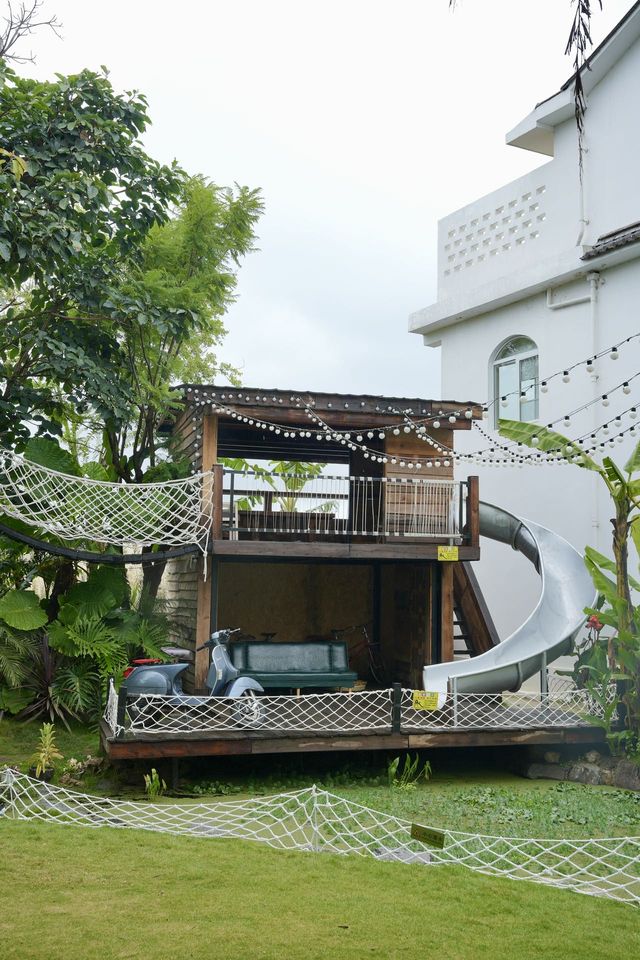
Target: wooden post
{"points": [[446, 612], [122, 707], [396, 708], [216, 520], [203, 614], [473, 512]]}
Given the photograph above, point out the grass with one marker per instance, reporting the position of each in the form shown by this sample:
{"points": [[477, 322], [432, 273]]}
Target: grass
{"points": [[18, 741], [88, 894], [116, 895], [469, 791]]}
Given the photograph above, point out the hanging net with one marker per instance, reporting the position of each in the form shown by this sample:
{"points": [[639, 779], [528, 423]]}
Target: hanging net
{"points": [[313, 819], [172, 513]]}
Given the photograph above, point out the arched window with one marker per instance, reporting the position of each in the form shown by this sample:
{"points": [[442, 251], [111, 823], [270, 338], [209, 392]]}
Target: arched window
{"points": [[515, 380]]}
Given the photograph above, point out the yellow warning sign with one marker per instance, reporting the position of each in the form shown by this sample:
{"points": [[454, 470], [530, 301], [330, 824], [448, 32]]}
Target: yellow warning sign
{"points": [[447, 553], [425, 700]]}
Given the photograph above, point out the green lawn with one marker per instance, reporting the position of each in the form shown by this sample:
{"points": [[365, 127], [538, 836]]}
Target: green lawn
{"points": [[71, 892], [18, 741], [82, 894], [469, 790]]}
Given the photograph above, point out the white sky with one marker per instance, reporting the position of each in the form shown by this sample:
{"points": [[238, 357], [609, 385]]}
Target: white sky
{"points": [[363, 122]]}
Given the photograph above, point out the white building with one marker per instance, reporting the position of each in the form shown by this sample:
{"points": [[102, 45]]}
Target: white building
{"points": [[532, 278]]}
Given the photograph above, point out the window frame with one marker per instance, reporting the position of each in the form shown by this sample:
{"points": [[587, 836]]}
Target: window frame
{"points": [[516, 358]]}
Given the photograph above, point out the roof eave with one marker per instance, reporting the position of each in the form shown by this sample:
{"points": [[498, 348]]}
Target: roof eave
{"points": [[535, 132]]}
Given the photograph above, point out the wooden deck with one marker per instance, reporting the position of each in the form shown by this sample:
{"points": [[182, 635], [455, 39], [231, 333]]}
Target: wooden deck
{"points": [[151, 746]]}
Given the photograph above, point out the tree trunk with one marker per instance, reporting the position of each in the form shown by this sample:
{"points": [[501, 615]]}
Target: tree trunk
{"points": [[152, 576], [64, 579]]}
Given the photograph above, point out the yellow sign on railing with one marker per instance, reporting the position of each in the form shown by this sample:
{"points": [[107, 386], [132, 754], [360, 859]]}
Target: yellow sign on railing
{"points": [[447, 553], [424, 700]]}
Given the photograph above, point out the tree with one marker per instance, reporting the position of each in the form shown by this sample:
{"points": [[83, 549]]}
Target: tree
{"points": [[77, 195], [22, 22], [170, 303]]}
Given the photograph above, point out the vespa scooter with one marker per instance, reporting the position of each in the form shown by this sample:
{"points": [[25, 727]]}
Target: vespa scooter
{"points": [[223, 680]]}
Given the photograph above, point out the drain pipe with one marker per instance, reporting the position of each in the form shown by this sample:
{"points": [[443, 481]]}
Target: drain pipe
{"points": [[594, 283], [574, 301]]}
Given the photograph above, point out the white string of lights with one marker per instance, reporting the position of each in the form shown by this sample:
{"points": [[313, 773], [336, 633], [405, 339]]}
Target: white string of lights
{"points": [[418, 423], [573, 450], [589, 363]]}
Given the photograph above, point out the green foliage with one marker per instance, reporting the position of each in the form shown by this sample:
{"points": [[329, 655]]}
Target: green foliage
{"points": [[77, 197], [21, 610], [48, 453], [171, 302], [411, 773], [153, 785], [294, 475], [547, 441], [47, 753]]}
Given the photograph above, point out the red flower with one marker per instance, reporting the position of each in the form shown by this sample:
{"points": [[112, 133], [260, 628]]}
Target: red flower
{"points": [[593, 623]]}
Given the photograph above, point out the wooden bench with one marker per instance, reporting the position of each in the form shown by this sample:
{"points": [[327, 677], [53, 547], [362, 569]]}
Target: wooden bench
{"points": [[322, 663]]}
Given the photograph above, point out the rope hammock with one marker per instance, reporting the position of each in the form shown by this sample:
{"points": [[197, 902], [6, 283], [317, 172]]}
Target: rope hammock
{"points": [[173, 513], [318, 821]]}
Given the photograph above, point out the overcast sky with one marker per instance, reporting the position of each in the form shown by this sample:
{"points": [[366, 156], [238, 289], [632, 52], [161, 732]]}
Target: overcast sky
{"points": [[362, 122]]}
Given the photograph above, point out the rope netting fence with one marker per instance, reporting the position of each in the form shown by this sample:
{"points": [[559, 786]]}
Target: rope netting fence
{"points": [[374, 711], [315, 820], [174, 513], [568, 707]]}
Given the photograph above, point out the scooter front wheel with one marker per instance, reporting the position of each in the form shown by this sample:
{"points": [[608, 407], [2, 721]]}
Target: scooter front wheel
{"points": [[248, 710]]}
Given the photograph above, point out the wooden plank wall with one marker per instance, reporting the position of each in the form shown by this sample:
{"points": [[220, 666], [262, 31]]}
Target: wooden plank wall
{"points": [[180, 578]]}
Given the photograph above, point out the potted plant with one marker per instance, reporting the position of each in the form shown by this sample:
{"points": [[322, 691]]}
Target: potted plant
{"points": [[44, 758]]}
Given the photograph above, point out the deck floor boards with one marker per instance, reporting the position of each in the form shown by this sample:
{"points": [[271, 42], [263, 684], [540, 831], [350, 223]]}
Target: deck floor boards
{"points": [[149, 746]]}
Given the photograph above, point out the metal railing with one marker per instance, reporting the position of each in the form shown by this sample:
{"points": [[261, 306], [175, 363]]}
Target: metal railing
{"points": [[343, 506]]}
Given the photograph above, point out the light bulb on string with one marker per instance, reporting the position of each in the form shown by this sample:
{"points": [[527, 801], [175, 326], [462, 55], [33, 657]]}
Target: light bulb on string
{"points": [[626, 388], [543, 387], [436, 424], [605, 400], [633, 413], [566, 377], [614, 353]]}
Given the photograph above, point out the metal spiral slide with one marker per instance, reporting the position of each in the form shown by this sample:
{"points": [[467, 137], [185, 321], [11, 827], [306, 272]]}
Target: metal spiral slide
{"points": [[547, 633]]}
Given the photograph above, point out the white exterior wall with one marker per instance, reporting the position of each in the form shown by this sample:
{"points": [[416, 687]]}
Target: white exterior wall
{"points": [[566, 499], [484, 301], [611, 181]]}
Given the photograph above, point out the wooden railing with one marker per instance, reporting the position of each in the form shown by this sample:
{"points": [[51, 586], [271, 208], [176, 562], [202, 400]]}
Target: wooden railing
{"points": [[273, 506]]}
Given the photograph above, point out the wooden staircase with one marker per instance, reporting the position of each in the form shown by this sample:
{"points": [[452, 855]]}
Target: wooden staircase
{"points": [[474, 629]]}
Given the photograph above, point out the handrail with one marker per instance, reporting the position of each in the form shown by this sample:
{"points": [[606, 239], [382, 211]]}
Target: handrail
{"points": [[431, 508]]}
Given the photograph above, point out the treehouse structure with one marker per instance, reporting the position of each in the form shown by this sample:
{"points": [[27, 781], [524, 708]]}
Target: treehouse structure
{"points": [[332, 511], [334, 535]]}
